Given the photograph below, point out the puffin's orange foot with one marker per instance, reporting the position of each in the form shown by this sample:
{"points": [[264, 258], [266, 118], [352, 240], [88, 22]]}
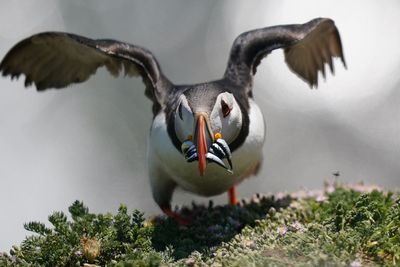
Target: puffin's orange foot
{"points": [[232, 196], [177, 217]]}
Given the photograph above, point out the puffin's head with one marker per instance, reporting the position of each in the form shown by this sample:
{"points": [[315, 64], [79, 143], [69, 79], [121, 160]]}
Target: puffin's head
{"points": [[203, 116]]}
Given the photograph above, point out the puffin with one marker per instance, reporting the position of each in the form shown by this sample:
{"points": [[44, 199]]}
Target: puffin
{"points": [[205, 138]]}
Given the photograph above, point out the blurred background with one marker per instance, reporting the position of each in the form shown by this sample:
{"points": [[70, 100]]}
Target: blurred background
{"points": [[88, 142]]}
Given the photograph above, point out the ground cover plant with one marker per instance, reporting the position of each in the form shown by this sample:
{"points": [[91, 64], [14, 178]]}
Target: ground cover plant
{"points": [[337, 226]]}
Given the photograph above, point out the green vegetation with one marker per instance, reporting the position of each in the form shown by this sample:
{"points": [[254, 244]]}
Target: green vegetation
{"points": [[341, 228]]}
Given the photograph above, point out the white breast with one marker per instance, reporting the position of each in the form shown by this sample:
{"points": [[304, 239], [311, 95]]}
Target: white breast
{"points": [[166, 162]]}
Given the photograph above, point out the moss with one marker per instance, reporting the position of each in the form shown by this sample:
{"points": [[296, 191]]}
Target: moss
{"points": [[345, 227]]}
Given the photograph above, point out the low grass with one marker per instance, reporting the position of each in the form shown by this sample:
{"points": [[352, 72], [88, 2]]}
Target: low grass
{"points": [[338, 226]]}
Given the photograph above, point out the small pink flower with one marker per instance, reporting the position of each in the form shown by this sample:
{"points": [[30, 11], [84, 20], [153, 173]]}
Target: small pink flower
{"points": [[281, 231], [355, 263], [297, 226]]}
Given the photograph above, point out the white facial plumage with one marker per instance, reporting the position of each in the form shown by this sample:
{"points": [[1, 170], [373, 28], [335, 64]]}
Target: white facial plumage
{"points": [[184, 119], [226, 117]]}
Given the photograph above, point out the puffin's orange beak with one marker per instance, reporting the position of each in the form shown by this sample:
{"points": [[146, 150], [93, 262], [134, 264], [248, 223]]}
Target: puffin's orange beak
{"points": [[203, 139]]}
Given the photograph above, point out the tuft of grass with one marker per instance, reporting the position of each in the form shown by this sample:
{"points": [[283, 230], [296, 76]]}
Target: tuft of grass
{"points": [[341, 228]]}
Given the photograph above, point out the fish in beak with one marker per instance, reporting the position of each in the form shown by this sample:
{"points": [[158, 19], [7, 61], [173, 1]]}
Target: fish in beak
{"points": [[203, 138], [203, 146]]}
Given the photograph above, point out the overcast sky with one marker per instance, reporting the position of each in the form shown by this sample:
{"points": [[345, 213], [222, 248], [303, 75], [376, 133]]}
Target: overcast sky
{"points": [[87, 142]]}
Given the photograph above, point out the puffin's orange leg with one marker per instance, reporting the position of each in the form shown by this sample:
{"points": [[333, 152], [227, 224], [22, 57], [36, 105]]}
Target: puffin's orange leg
{"points": [[178, 218], [232, 196]]}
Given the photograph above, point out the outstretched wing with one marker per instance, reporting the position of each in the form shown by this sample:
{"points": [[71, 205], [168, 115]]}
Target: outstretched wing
{"points": [[57, 59], [307, 47]]}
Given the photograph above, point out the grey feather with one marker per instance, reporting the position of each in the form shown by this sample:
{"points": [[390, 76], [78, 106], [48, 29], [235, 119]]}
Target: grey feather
{"points": [[308, 47], [58, 59]]}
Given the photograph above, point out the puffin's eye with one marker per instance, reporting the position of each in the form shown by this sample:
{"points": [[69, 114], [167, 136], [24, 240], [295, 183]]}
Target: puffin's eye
{"points": [[225, 108], [180, 111]]}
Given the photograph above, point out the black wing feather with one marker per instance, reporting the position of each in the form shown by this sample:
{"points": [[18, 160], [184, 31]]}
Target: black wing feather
{"points": [[307, 47], [57, 59]]}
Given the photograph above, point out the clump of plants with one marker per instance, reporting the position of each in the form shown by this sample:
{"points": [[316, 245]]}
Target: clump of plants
{"points": [[341, 228], [347, 228], [101, 239]]}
